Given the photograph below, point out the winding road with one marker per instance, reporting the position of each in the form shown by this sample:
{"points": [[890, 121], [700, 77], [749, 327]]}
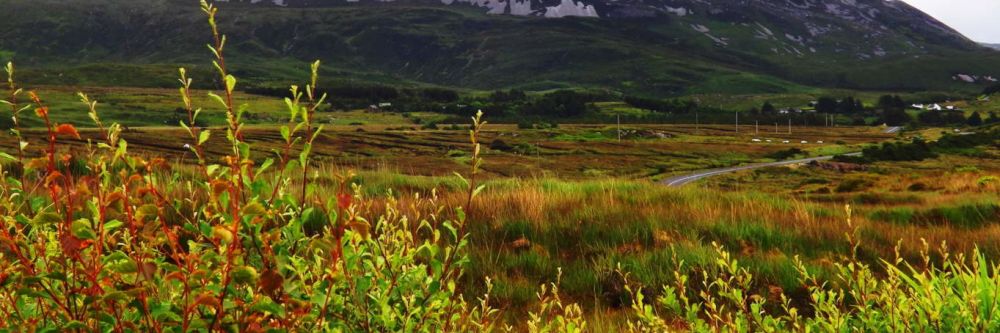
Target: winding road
{"points": [[690, 178]]}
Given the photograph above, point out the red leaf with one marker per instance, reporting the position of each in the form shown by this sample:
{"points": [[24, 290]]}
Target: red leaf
{"points": [[71, 245], [67, 130], [344, 200], [271, 283]]}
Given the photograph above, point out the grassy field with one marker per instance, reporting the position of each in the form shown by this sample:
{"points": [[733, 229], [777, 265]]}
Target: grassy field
{"points": [[569, 152], [574, 203], [577, 198], [373, 221]]}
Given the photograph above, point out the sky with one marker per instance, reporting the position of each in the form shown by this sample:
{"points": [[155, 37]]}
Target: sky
{"points": [[977, 19]]}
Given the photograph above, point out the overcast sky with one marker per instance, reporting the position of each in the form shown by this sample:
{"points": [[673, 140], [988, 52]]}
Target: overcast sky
{"points": [[977, 19]]}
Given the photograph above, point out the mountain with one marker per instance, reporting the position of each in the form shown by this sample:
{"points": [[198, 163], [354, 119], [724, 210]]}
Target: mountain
{"points": [[649, 47], [991, 45]]}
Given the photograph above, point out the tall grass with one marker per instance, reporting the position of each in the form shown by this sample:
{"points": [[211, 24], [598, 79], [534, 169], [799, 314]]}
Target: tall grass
{"points": [[943, 292], [100, 239]]}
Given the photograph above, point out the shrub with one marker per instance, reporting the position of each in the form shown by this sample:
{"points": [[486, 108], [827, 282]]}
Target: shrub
{"points": [[987, 181], [130, 244], [917, 187], [500, 145], [785, 154], [894, 296], [430, 126], [525, 149], [917, 150], [851, 185]]}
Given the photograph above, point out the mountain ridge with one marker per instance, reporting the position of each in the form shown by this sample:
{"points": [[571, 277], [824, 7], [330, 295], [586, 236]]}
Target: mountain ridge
{"points": [[677, 47]]}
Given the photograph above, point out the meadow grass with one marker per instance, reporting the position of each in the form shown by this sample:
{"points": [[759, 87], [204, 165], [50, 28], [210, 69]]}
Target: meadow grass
{"points": [[96, 237]]}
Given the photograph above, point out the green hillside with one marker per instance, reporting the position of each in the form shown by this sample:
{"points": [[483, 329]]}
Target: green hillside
{"points": [[139, 42]]}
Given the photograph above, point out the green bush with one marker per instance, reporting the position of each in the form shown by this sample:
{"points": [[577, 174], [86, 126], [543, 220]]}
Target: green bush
{"points": [[785, 154], [852, 185], [118, 242]]}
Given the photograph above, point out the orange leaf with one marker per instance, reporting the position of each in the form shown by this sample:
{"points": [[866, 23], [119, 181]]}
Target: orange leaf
{"points": [[42, 112], [67, 130], [208, 300], [37, 163], [52, 177]]}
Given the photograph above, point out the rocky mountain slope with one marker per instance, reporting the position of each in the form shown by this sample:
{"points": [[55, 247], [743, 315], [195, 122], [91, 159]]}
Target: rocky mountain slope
{"points": [[654, 47]]}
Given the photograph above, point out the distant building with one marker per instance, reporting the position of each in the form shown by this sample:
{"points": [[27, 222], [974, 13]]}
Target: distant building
{"points": [[380, 107]]}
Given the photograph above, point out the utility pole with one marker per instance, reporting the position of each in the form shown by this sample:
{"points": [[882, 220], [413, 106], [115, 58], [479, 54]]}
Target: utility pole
{"points": [[697, 125], [737, 122], [789, 125], [775, 127], [756, 127]]}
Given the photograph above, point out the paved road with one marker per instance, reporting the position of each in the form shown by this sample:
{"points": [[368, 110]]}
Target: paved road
{"points": [[687, 179], [690, 178]]}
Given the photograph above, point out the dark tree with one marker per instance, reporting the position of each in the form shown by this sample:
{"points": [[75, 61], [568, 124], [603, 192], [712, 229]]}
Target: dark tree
{"points": [[826, 105], [975, 119], [563, 103], [931, 117], [849, 105], [896, 117], [891, 101], [767, 108]]}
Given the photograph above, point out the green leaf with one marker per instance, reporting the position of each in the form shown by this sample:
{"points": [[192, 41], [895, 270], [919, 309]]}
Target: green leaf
{"points": [[304, 155], [211, 169], [316, 134], [122, 266], [147, 210], [230, 83], [112, 225], [268, 306], [7, 156], [477, 190], [74, 325], [244, 149], [264, 166], [186, 128], [203, 137], [81, 229], [219, 99], [245, 275], [254, 208], [116, 296], [242, 109], [46, 218], [286, 133]]}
